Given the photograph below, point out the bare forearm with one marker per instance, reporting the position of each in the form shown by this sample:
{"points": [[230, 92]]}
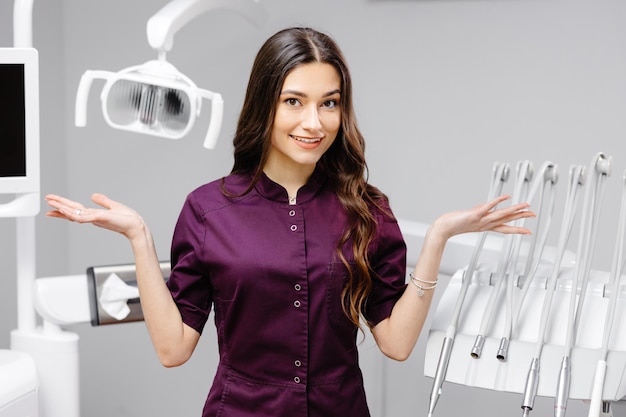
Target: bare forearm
{"points": [[173, 340], [170, 336], [397, 335]]}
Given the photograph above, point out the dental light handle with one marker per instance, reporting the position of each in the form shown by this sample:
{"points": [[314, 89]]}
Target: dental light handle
{"points": [[162, 26], [217, 114], [440, 374], [595, 407], [562, 388], [82, 95]]}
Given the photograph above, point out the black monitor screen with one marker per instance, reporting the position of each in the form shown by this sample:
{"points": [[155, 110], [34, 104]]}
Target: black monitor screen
{"points": [[12, 121]]}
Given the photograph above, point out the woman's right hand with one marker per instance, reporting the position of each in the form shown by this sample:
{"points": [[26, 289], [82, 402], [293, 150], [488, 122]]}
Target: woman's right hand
{"points": [[113, 216]]}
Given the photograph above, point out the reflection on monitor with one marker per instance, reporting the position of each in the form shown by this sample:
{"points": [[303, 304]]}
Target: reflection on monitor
{"points": [[19, 131]]}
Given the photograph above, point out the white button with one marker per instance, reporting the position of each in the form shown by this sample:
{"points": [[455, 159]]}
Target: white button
{"points": [[298, 287], [297, 363], [292, 213], [294, 227], [296, 380], [296, 303]]}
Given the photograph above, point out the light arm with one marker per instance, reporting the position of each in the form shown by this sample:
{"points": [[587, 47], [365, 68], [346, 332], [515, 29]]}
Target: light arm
{"points": [[177, 13]]}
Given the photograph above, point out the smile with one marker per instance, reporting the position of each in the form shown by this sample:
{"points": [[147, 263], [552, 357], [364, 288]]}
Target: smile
{"points": [[306, 140]]}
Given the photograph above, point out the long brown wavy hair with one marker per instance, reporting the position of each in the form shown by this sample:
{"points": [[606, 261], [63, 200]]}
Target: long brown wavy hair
{"points": [[344, 161]]}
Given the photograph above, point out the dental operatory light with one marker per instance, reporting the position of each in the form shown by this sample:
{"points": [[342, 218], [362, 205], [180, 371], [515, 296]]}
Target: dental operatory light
{"points": [[155, 98]]}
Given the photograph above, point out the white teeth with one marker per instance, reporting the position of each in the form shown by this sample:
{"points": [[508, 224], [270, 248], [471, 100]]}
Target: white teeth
{"points": [[306, 140]]}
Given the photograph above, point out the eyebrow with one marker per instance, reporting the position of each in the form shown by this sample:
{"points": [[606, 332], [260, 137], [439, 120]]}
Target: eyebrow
{"points": [[301, 94]]}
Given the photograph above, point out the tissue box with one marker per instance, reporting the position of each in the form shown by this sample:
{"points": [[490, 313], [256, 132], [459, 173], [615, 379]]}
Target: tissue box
{"points": [[18, 385]]}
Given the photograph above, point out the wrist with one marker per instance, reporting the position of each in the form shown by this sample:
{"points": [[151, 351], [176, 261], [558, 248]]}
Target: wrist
{"points": [[139, 233], [437, 233]]}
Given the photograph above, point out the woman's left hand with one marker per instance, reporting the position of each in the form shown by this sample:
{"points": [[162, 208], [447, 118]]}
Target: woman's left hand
{"points": [[483, 218]]}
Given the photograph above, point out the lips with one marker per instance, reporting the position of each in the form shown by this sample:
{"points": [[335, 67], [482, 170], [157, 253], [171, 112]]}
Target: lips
{"points": [[306, 140]]}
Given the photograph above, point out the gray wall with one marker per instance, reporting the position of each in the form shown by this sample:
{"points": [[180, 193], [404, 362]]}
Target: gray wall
{"points": [[443, 89]]}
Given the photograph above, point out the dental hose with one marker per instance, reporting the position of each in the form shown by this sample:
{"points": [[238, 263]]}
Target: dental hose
{"points": [[549, 176], [500, 176], [599, 169], [532, 378], [503, 348], [511, 246], [617, 267]]}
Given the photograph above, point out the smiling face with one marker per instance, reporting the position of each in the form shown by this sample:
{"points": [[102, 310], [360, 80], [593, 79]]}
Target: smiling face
{"points": [[306, 123]]}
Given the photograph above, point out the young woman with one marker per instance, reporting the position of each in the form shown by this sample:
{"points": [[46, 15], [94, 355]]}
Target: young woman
{"points": [[292, 250]]}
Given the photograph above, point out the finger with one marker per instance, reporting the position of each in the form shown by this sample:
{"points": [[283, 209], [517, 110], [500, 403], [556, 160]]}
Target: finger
{"points": [[65, 208], [509, 215], [101, 200], [55, 213], [513, 210], [506, 229], [494, 220], [104, 201], [492, 204], [52, 198]]}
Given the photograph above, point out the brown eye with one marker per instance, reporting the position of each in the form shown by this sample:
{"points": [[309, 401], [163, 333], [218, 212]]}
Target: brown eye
{"points": [[330, 104]]}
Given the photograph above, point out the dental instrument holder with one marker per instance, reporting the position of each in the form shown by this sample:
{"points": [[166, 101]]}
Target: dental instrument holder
{"points": [[508, 376], [489, 373], [97, 276]]}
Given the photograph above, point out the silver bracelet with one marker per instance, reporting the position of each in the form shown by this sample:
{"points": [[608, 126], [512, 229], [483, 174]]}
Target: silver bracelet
{"points": [[413, 277], [421, 288]]}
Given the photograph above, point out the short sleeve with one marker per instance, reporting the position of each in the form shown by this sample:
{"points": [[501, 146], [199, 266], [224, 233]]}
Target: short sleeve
{"points": [[189, 281], [389, 264]]}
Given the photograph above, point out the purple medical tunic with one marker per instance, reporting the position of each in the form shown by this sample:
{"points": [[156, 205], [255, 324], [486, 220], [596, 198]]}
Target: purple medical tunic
{"points": [[271, 272]]}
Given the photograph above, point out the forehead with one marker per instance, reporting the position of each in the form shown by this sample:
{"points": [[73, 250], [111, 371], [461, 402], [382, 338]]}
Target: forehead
{"points": [[313, 77]]}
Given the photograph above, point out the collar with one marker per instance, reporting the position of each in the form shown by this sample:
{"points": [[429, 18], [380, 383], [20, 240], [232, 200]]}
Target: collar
{"points": [[276, 192]]}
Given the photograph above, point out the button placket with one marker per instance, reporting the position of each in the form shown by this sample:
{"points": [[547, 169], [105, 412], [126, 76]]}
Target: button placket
{"points": [[298, 287], [293, 226]]}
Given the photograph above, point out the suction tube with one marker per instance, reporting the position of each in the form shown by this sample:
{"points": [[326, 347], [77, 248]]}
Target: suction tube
{"points": [[500, 176], [507, 263], [599, 170], [549, 177], [532, 380], [596, 405]]}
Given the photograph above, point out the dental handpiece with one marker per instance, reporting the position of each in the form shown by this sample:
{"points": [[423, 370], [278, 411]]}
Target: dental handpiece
{"points": [[530, 390], [562, 388], [440, 374]]}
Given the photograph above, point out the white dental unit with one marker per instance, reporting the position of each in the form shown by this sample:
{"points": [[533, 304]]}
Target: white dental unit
{"points": [[552, 326], [499, 329]]}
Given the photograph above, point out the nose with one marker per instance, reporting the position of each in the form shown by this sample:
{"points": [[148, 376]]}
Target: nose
{"points": [[311, 118]]}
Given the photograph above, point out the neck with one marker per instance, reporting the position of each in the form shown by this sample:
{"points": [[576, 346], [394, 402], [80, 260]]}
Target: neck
{"points": [[290, 179]]}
